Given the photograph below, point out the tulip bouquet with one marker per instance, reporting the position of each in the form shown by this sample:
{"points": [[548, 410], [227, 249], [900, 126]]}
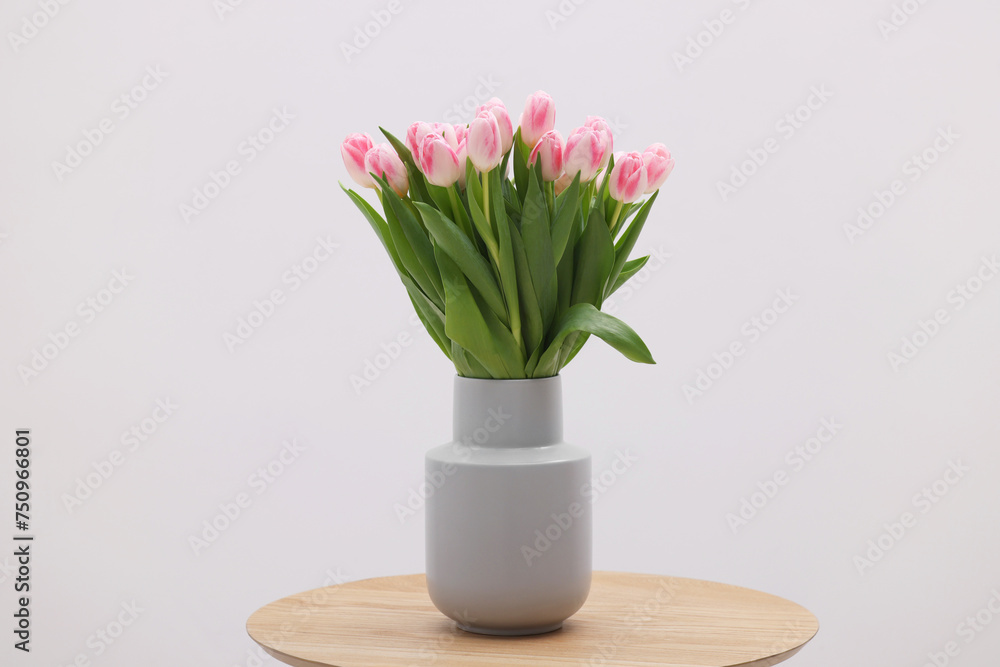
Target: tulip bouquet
{"points": [[508, 274]]}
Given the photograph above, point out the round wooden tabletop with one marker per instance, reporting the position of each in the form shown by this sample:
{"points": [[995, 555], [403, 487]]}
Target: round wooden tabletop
{"points": [[639, 620]]}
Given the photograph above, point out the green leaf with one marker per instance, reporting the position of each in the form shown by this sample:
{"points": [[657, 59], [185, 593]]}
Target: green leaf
{"points": [[567, 212], [520, 167], [476, 328], [627, 212], [570, 351], [511, 202], [507, 269], [627, 241], [441, 198], [418, 184], [401, 150], [475, 369], [413, 230], [427, 310], [461, 359], [631, 268], [377, 224], [602, 192], [538, 247], [432, 321], [466, 364], [584, 317], [459, 248], [564, 280], [595, 256], [474, 191], [531, 315], [459, 210], [529, 368], [409, 260], [509, 192]]}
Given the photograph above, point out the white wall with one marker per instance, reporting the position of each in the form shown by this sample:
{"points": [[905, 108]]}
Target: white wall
{"points": [[330, 514]]}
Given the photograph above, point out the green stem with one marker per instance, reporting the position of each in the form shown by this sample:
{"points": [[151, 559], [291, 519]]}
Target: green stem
{"points": [[550, 199], [491, 243], [614, 218], [456, 206], [587, 201], [486, 198]]}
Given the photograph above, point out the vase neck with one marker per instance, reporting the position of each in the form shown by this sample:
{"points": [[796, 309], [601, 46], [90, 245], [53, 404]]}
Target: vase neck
{"points": [[508, 413]]}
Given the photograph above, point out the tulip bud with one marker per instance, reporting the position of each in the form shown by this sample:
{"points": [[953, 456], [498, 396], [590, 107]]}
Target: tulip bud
{"points": [[462, 132], [563, 182], [417, 131], [628, 178], [499, 111], [414, 135], [538, 117], [447, 131], [438, 160], [584, 153], [659, 164], [353, 150], [485, 145], [549, 152], [384, 163], [601, 126], [599, 179]]}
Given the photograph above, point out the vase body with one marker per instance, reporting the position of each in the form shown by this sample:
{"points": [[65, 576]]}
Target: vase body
{"points": [[508, 526]]}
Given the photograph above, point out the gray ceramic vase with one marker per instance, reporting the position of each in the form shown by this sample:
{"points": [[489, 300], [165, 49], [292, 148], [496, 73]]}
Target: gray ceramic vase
{"points": [[509, 521]]}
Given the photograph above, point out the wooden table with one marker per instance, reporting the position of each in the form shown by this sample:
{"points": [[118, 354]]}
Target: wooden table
{"points": [[637, 620]]}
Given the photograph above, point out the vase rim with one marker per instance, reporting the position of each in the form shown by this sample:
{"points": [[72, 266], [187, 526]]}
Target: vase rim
{"points": [[548, 377]]}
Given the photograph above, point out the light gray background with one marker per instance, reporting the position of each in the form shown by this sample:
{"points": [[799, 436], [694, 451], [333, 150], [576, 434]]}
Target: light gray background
{"points": [[331, 514]]}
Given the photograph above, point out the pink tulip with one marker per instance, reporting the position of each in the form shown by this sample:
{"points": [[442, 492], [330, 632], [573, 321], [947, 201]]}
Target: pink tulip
{"points": [[563, 182], [659, 164], [447, 131], [549, 152], [601, 126], [599, 179], [485, 144], [462, 133], [414, 135], [628, 178], [438, 160], [584, 153], [538, 117], [499, 111], [417, 131], [353, 151], [384, 163]]}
